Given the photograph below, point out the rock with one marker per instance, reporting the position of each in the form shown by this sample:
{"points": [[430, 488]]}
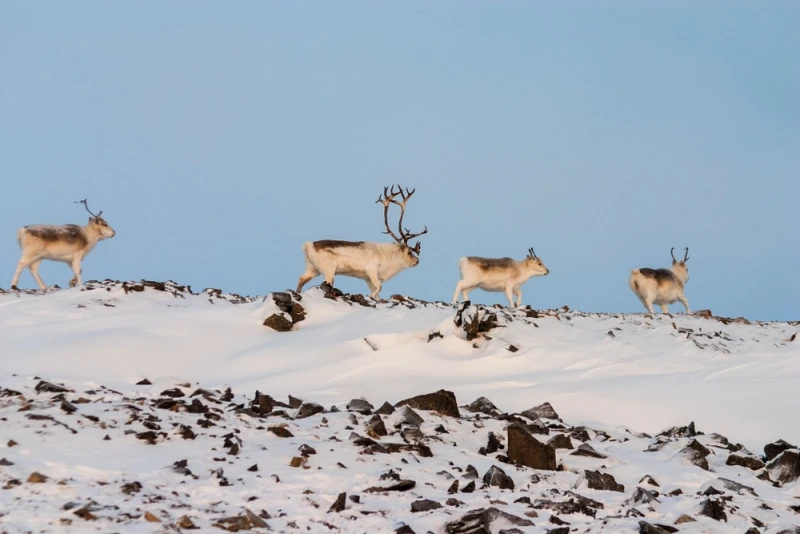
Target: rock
{"points": [[696, 457], [5, 463], [714, 508], [243, 522], [580, 433], [484, 406], [493, 445], [85, 514], [647, 528], [442, 402], [279, 323], [497, 477], [48, 387], [405, 529], [453, 502], [307, 409], [150, 518], [584, 449], [599, 481], [186, 523], [772, 450], [685, 519], [470, 472], [730, 485], [543, 411], [576, 504], [360, 406], [642, 496], [306, 450], [688, 431], [785, 467], [750, 462], [130, 488], [453, 488], [36, 478], [424, 505], [403, 485], [339, 504], [280, 431], [696, 445], [298, 461], [469, 488], [647, 479], [480, 521], [524, 449], [406, 415], [561, 441], [385, 409]]}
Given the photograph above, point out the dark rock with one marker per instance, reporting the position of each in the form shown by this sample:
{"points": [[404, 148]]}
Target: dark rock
{"points": [[307, 409], [543, 411], [280, 431], [524, 449], [643, 496], [772, 450], [385, 409], [493, 445], [752, 530], [453, 488], [576, 504], [685, 519], [600, 481], [469, 488], [688, 431], [131, 487], [694, 444], [696, 457], [442, 402], [403, 485], [253, 468], [453, 502], [561, 441], [424, 505], [306, 450], [647, 528], [559, 530], [440, 429], [750, 462], [731, 485], [339, 504], [265, 404], [408, 416], [405, 529], [294, 402], [714, 508], [470, 472], [377, 426], [647, 479], [497, 477], [5, 463], [360, 406], [144, 382], [785, 467], [584, 449], [480, 521], [173, 393], [48, 387], [484, 406], [580, 433], [278, 322]]}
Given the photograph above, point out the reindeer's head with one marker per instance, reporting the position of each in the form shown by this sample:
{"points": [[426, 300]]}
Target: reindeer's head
{"points": [[410, 253], [679, 267], [534, 264], [96, 223]]}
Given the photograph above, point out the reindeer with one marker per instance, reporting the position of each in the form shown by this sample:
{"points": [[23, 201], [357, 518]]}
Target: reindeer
{"points": [[69, 243], [498, 274], [375, 263], [662, 286]]}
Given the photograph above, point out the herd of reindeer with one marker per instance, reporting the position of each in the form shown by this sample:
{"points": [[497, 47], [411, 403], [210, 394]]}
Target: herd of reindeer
{"points": [[375, 263]]}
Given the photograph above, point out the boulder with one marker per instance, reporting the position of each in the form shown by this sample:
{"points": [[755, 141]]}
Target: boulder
{"points": [[278, 322], [480, 521], [772, 450], [750, 462], [497, 477], [524, 449], [561, 441], [543, 411], [484, 406], [785, 467], [599, 481], [442, 402], [360, 406], [307, 409], [424, 505]]}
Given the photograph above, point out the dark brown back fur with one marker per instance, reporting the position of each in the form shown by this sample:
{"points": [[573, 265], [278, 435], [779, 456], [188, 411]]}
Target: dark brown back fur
{"points": [[69, 233], [490, 263], [659, 275], [335, 243]]}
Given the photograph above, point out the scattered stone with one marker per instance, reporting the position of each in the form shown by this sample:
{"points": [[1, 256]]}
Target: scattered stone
{"points": [[48, 387], [407, 416], [424, 505], [695, 456], [5, 463], [714, 508], [647, 479], [497, 477], [484, 406], [130, 488], [377, 425], [279, 323], [524, 449], [647, 528], [339, 504], [253, 468], [785, 467], [543, 411], [480, 521], [561, 441], [493, 444], [685, 519], [243, 522], [730, 485], [298, 461], [385, 409], [599, 481], [453, 487], [772, 450], [442, 402], [587, 450], [307, 409], [280, 431], [469, 488], [144, 382], [186, 523], [470, 472], [750, 462], [405, 529], [85, 514], [306, 450], [688, 431], [403, 485], [643, 496], [150, 518], [360, 406], [36, 478]]}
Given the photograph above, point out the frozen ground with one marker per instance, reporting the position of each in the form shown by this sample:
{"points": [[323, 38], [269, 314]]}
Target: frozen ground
{"points": [[619, 376]]}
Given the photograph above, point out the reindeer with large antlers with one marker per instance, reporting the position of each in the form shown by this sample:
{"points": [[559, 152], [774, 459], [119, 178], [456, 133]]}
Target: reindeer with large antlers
{"points": [[68, 243], [498, 274], [662, 286], [375, 263]]}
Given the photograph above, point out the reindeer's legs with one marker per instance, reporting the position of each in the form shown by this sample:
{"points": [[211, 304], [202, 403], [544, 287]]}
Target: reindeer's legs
{"points": [[34, 269], [76, 268], [685, 303], [510, 296], [649, 306], [664, 308], [310, 273], [518, 293], [459, 289], [20, 266]]}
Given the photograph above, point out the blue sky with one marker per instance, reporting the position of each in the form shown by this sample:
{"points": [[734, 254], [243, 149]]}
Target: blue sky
{"points": [[218, 137]]}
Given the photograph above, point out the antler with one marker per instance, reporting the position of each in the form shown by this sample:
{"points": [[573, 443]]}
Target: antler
{"points": [[86, 205], [389, 198], [686, 256], [671, 253], [532, 253]]}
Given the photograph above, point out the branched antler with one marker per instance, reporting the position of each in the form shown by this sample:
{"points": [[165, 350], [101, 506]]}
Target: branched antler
{"points": [[531, 253], [686, 256], [86, 205], [388, 198]]}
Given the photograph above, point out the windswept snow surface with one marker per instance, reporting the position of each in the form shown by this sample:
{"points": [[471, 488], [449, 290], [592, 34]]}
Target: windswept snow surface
{"points": [[621, 374]]}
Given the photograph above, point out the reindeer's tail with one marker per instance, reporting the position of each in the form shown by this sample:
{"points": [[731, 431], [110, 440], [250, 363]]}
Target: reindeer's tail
{"points": [[20, 231], [461, 264], [634, 282]]}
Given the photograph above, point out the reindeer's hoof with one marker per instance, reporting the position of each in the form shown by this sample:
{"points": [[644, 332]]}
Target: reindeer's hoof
{"points": [[72, 283]]}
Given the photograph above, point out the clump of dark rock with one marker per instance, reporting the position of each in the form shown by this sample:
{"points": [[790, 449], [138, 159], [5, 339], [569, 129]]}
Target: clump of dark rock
{"points": [[785, 467], [469, 488], [750, 462], [480, 521], [407, 416], [772, 450], [442, 402], [561, 441], [339, 504], [599, 481], [424, 505], [524, 449], [403, 485], [361, 406], [714, 508], [543, 411], [647, 528], [385, 409], [497, 477], [584, 449]]}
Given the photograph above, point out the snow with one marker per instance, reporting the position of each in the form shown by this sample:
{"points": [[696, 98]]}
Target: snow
{"points": [[623, 374]]}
